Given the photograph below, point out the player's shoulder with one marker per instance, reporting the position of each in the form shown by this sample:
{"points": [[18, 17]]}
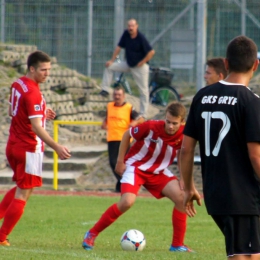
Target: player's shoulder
{"points": [[154, 122], [156, 125], [27, 85], [151, 124]]}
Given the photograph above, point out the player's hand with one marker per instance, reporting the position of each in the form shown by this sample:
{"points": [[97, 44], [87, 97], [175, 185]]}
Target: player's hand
{"points": [[189, 197], [108, 63], [120, 168], [50, 114], [63, 152]]}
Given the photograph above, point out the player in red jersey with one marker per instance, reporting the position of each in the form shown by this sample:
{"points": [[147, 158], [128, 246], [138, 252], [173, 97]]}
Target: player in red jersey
{"points": [[25, 145], [157, 143]]}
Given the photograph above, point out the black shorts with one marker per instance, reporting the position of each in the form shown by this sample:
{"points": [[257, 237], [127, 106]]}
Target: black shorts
{"points": [[242, 233]]}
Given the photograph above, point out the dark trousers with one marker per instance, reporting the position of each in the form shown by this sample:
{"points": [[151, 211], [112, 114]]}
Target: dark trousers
{"points": [[113, 148]]}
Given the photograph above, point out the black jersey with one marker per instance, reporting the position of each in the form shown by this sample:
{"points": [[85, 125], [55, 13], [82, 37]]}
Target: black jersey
{"points": [[224, 117]]}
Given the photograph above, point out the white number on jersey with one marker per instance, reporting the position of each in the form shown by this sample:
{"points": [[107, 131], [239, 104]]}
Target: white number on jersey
{"points": [[15, 101], [223, 132]]}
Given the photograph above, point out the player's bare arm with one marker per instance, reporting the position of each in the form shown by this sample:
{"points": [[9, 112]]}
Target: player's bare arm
{"points": [[186, 165], [181, 183], [62, 151], [254, 155], [120, 165]]}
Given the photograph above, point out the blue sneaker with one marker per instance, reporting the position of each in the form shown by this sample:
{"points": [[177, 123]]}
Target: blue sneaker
{"points": [[88, 241], [182, 248]]}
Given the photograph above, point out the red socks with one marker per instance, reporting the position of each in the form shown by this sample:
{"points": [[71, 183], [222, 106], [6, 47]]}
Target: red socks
{"points": [[108, 217], [179, 224], [6, 201], [12, 216]]}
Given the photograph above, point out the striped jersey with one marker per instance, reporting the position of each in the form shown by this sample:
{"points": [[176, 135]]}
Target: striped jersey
{"points": [[154, 150], [26, 102]]}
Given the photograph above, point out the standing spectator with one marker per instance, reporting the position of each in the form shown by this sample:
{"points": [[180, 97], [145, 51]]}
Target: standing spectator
{"points": [[146, 163], [215, 71], [224, 118], [25, 145], [138, 52], [120, 116]]}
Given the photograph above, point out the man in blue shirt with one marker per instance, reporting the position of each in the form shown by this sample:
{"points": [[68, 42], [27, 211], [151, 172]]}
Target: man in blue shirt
{"points": [[138, 52]]}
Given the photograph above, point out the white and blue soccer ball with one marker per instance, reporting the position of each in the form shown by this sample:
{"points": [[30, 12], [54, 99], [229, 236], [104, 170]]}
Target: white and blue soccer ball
{"points": [[133, 240]]}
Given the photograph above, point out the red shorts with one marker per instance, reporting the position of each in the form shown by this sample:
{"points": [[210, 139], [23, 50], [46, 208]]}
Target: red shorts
{"points": [[27, 167], [133, 178]]}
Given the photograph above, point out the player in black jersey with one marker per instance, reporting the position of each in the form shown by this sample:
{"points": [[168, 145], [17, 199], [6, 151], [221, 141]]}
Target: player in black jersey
{"points": [[225, 118]]}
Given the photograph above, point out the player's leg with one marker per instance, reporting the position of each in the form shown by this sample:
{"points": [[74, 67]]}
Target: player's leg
{"points": [[108, 218], [130, 185], [20, 161], [141, 77], [108, 74], [6, 201], [242, 235], [179, 218], [14, 212], [9, 196], [113, 212], [253, 257]]}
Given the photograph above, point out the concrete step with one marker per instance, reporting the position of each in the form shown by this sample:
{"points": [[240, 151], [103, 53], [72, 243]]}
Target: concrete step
{"points": [[68, 177], [88, 151], [72, 164]]}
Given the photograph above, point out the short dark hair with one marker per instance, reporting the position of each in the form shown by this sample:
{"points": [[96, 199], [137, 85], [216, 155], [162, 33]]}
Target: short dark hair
{"points": [[241, 54], [176, 109], [218, 65], [36, 57], [119, 88]]}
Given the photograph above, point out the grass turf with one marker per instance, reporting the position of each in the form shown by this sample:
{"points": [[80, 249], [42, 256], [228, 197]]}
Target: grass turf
{"points": [[52, 227]]}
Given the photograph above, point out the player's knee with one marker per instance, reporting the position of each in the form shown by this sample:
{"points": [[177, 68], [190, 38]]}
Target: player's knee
{"points": [[125, 204]]}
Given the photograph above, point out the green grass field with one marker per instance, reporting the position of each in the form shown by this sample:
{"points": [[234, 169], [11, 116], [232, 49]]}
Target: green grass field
{"points": [[52, 227]]}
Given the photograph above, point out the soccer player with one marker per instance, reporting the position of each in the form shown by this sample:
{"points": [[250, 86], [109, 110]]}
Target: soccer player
{"points": [[156, 144], [224, 118], [215, 71], [25, 145]]}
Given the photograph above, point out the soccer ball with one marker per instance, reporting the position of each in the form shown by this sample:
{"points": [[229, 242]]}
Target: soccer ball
{"points": [[133, 240]]}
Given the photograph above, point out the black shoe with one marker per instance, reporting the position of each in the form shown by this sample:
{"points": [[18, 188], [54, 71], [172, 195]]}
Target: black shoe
{"points": [[104, 93]]}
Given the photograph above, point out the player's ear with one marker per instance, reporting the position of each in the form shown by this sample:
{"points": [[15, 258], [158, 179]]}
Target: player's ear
{"points": [[221, 76], [226, 64], [255, 66], [31, 69]]}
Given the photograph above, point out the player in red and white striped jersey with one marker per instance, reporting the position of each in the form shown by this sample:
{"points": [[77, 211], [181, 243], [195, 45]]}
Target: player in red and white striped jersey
{"points": [[154, 150], [156, 144], [24, 149]]}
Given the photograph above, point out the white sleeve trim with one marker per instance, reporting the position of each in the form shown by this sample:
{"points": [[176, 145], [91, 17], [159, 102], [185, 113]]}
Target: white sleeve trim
{"points": [[35, 116]]}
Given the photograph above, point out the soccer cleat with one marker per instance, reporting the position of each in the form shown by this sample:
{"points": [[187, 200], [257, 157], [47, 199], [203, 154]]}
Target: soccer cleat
{"points": [[104, 93], [88, 241], [5, 243], [182, 248]]}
